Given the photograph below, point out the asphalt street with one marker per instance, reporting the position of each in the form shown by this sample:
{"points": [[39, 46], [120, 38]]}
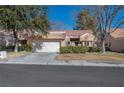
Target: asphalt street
{"points": [[14, 75]]}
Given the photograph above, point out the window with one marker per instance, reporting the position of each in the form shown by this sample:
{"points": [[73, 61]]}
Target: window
{"points": [[76, 43], [86, 43], [91, 43], [68, 43]]}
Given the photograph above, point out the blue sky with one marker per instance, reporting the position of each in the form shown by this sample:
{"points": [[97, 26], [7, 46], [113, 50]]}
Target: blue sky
{"points": [[64, 14]]}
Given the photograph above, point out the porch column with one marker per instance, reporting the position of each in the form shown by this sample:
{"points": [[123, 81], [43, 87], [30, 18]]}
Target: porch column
{"points": [[83, 43]]}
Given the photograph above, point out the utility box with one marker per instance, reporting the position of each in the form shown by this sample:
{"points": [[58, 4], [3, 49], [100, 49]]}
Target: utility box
{"points": [[3, 54]]}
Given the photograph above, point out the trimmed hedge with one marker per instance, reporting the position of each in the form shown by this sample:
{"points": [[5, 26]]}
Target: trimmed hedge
{"points": [[73, 49], [94, 49], [6, 48], [78, 49], [26, 47]]}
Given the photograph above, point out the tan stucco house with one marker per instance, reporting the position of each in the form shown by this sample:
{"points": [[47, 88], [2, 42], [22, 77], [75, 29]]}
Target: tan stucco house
{"points": [[56, 39], [115, 42]]}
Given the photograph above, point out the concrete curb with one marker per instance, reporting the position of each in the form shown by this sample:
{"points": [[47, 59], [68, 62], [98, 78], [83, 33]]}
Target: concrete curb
{"points": [[70, 63]]}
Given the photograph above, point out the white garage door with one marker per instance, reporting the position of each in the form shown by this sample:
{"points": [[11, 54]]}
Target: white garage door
{"points": [[49, 47]]}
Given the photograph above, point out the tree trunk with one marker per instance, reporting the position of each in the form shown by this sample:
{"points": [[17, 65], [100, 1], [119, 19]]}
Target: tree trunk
{"points": [[16, 45], [103, 47], [16, 41], [94, 41]]}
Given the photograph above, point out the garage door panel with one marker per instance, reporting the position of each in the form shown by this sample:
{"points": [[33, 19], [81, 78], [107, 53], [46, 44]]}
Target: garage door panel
{"points": [[49, 47]]}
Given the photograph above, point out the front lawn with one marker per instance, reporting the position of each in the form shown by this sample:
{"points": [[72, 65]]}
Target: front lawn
{"points": [[110, 56], [17, 54]]}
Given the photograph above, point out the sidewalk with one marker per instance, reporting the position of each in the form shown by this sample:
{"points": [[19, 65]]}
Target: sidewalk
{"points": [[67, 63]]}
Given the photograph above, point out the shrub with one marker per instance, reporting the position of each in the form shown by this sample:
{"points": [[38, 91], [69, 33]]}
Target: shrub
{"points": [[79, 49], [2, 48], [73, 49], [6, 48], [26, 47], [67, 49], [9, 48], [94, 49]]}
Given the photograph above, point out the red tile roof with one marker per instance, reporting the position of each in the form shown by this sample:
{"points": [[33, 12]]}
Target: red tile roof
{"points": [[73, 32], [118, 33], [77, 32]]}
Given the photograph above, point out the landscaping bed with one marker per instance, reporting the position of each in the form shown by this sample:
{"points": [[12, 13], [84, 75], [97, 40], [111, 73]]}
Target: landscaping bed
{"points": [[110, 56]]}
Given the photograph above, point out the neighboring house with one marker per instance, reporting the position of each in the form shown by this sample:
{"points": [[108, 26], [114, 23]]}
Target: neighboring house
{"points": [[56, 39], [7, 37], [115, 42]]}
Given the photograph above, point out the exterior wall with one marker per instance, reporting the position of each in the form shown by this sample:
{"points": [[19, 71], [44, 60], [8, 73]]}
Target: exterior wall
{"points": [[117, 45], [87, 39], [63, 43], [115, 42]]}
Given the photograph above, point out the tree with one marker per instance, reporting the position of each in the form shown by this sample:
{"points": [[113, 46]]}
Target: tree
{"points": [[109, 19], [16, 18], [86, 21], [102, 20]]}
